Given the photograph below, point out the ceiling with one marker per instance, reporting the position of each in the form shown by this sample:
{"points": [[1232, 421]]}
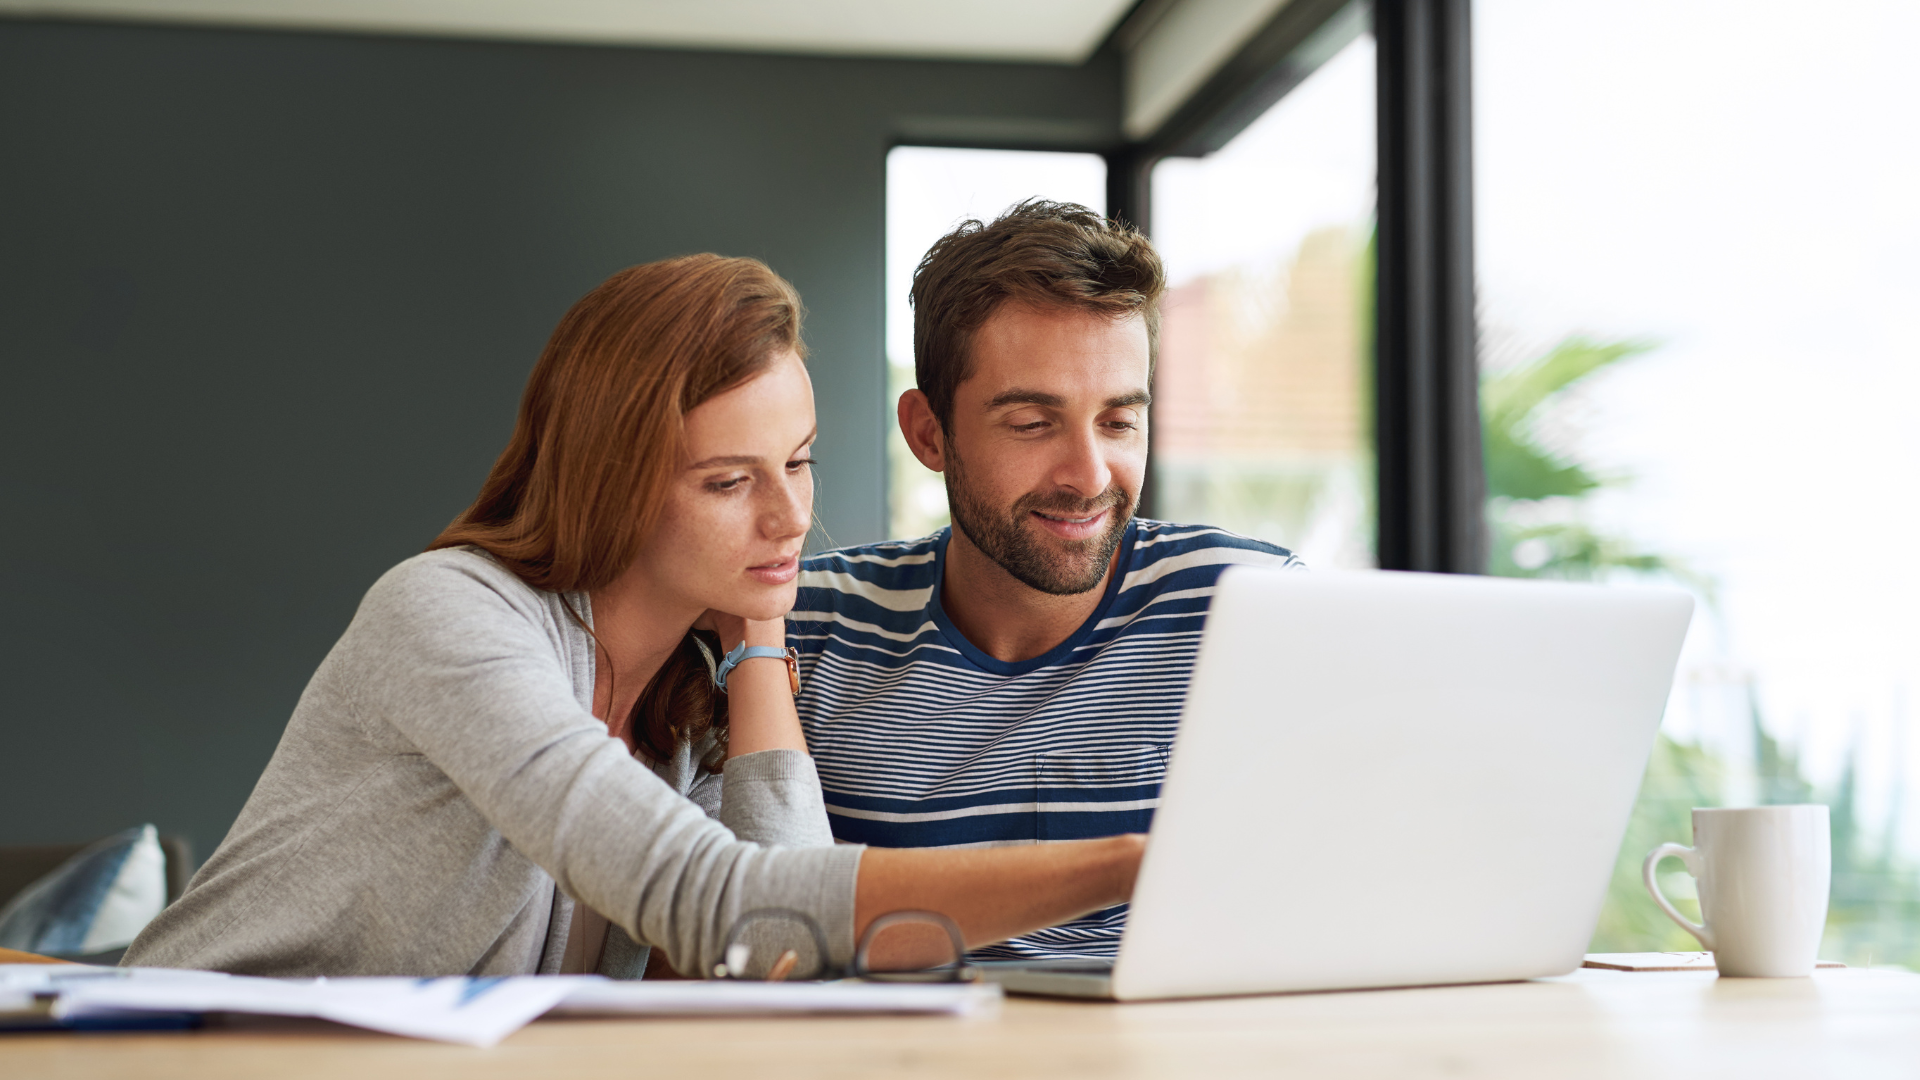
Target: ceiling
{"points": [[1048, 31]]}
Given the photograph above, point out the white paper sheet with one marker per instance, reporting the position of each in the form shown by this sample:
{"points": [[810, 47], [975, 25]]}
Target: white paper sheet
{"points": [[476, 1012], [663, 998]]}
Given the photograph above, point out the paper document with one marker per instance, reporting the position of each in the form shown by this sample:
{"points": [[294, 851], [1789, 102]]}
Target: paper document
{"points": [[608, 997], [477, 1012], [473, 1011], [1666, 961]]}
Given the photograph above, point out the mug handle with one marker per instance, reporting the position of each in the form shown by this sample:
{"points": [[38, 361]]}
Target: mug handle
{"points": [[1686, 855]]}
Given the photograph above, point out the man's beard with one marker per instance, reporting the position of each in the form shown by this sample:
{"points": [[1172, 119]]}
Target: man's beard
{"points": [[1053, 566]]}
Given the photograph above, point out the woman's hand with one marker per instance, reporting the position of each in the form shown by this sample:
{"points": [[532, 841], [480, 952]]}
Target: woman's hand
{"points": [[732, 629]]}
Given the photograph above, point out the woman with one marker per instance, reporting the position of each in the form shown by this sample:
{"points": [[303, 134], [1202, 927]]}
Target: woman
{"points": [[515, 760]]}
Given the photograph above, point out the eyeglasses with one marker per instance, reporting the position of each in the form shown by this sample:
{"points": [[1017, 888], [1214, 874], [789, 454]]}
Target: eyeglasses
{"points": [[780, 944]]}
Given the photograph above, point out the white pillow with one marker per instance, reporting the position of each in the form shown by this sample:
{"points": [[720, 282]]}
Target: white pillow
{"points": [[95, 902]]}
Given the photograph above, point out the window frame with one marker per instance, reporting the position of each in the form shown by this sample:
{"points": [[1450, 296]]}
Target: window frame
{"points": [[1426, 422], [1431, 483]]}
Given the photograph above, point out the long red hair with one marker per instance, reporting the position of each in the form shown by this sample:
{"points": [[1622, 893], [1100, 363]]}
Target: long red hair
{"points": [[601, 433]]}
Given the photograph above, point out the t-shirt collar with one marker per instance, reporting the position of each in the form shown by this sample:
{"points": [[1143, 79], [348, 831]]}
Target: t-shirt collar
{"points": [[938, 612]]}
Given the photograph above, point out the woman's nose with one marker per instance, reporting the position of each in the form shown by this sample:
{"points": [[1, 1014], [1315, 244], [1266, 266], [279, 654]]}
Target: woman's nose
{"points": [[792, 512]]}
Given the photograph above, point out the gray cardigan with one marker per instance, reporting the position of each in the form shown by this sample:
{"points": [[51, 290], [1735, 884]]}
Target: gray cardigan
{"points": [[443, 794]]}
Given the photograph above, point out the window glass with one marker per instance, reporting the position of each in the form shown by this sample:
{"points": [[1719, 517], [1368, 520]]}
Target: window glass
{"points": [[1699, 251], [929, 191], [1262, 407]]}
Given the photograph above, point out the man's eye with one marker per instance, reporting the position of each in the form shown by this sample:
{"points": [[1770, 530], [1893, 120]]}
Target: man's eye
{"points": [[1034, 426]]}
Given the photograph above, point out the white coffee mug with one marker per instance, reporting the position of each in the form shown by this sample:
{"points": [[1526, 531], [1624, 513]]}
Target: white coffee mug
{"points": [[1763, 873]]}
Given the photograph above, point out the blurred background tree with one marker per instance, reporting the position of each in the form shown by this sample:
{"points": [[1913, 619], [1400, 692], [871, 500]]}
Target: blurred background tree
{"points": [[1538, 528], [1535, 492]]}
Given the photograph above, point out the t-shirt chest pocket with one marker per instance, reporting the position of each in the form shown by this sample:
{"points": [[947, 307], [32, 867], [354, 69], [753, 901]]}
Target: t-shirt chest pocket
{"points": [[1097, 792]]}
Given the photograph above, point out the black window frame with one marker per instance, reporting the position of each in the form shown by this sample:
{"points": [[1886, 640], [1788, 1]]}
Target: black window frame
{"points": [[1426, 416]]}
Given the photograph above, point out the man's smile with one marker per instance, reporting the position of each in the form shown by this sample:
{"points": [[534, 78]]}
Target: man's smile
{"points": [[1073, 526]]}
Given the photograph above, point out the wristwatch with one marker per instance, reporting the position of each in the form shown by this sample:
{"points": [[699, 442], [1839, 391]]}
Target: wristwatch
{"points": [[743, 651]]}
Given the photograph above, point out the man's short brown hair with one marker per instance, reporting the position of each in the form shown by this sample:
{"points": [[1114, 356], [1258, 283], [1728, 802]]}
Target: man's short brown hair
{"points": [[1050, 254]]}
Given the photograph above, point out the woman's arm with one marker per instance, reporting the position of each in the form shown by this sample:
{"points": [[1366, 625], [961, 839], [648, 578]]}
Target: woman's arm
{"points": [[760, 712], [770, 793], [451, 653], [993, 893]]}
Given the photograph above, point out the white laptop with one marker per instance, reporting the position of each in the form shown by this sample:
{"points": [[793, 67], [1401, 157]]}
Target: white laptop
{"points": [[1390, 779]]}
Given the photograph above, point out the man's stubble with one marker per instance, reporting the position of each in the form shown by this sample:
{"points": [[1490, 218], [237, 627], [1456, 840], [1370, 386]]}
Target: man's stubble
{"points": [[1007, 537]]}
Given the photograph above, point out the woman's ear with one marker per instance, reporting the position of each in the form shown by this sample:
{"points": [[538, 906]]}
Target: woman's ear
{"points": [[922, 430]]}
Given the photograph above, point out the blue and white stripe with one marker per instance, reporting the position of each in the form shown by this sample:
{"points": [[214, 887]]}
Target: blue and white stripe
{"points": [[922, 740]]}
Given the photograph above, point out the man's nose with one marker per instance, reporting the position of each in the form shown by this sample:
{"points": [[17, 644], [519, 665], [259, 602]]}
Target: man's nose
{"points": [[1083, 466]]}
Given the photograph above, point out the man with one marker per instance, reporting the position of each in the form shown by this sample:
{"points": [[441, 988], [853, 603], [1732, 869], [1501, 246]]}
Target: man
{"points": [[1017, 678]]}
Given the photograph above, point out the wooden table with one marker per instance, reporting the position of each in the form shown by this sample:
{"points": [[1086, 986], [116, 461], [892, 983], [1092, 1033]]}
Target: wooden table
{"points": [[1846, 1024]]}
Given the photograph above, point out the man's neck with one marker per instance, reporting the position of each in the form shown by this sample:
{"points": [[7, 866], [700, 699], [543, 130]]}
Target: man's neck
{"points": [[1003, 616]]}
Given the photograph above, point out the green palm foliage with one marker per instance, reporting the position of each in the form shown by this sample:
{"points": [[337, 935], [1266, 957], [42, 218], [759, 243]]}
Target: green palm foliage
{"points": [[1511, 400], [1535, 491]]}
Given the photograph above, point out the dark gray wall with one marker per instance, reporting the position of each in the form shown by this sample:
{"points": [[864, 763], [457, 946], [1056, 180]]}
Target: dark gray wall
{"points": [[267, 302]]}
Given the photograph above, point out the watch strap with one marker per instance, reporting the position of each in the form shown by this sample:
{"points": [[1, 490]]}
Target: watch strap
{"points": [[743, 652]]}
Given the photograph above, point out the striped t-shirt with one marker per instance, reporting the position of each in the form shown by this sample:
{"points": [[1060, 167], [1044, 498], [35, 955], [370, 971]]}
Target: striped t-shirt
{"points": [[922, 740]]}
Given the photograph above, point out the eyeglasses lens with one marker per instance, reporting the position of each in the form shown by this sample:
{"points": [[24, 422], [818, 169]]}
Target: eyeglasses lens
{"points": [[912, 946]]}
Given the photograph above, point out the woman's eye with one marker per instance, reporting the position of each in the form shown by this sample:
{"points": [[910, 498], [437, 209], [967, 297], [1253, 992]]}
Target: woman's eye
{"points": [[797, 464], [729, 484]]}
